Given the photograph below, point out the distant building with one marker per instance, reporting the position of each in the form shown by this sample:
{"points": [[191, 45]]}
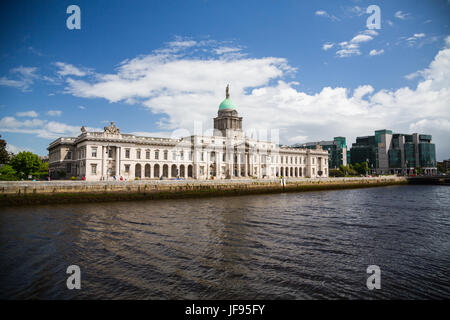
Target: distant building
{"points": [[43, 159], [337, 150], [446, 165], [395, 153]]}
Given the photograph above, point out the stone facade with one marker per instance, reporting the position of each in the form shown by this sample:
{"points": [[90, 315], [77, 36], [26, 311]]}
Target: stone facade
{"points": [[227, 154]]}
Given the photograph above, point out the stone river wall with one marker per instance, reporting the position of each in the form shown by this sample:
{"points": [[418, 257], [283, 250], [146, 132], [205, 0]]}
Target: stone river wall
{"points": [[43, 192]]}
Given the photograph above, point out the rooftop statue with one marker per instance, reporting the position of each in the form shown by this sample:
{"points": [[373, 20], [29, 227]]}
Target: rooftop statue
{"points": [[112, 129]]}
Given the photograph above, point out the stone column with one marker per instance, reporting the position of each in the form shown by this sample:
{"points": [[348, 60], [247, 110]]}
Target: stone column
{"points": [[208, 154], [245, 164], [104, 161], [239, 164], [218, 165], [231, 164], [118, 149]]}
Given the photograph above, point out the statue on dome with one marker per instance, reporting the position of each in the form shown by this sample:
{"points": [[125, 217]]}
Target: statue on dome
{"points": [[227, 91]]}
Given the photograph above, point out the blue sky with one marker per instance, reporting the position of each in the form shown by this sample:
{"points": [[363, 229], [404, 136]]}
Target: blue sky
{"points": [[310, 69]]}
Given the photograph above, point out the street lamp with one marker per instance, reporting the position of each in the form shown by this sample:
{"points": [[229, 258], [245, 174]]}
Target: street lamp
{"points": [[406, 167]]}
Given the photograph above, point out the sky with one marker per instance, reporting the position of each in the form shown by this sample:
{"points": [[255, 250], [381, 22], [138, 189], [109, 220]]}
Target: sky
{"points": [[311, 70]]}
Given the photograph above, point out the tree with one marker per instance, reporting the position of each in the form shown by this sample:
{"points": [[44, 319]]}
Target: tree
{"points": [[4, 154], [25, 163], [336, 173], [7, 173], [42, 172]]}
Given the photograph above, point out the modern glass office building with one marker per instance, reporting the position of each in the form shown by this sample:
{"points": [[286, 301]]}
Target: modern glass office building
{"points": [[395, 153], [337, 150]]}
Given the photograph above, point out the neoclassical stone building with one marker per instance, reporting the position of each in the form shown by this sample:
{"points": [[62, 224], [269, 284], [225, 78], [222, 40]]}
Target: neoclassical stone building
{"points": [[226, 154]]}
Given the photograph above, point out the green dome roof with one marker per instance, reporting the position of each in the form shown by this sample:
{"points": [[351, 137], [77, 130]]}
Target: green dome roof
{"points": [[227, 104]]}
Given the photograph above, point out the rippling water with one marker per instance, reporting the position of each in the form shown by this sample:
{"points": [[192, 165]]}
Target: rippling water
{"points": [[314, 245]]}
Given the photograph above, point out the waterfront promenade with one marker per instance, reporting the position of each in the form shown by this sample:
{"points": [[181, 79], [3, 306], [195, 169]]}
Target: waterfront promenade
{"points": [[35, 192]]}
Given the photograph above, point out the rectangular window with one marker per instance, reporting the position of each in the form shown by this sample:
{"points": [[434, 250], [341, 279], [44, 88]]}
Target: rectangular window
{"points": [[201, 156], [182, 155], [127, 153], [224, 157], [127, 168], [166, 153], [69, 155], [190, 155], [138, 154], [69, 168], [110, 153], [312, 160], [94, 153], [147, 154], [313, 171], [156, 154], [93, 169]]}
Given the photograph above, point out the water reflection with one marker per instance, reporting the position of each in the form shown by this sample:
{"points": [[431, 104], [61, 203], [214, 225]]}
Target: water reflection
{"points": [[313, 245]]}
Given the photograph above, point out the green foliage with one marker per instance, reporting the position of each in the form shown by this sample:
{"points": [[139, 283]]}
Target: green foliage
{"points": [[336, 173], [25, 163], [418, 170], [4, 154], [42, 172], [7, 173], [350, 170], [73, 178]]}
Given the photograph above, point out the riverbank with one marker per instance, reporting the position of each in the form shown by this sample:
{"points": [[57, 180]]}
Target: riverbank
{"points": [[43, 192]]}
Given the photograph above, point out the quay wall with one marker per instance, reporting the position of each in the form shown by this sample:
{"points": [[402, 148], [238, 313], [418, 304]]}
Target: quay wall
{"points": [[46, 192]]}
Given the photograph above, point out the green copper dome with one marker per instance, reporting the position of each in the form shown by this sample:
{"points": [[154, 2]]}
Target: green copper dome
{"points": [[227, 104]]}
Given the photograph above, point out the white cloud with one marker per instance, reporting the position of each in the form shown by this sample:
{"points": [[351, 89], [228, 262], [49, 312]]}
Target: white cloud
{"points": [[40, 128], [401, 15], [374, 52], [361, 38], [183, 88], [352, 47], [357, 10], [31, 114], [327, 46], [15, 149], [323, 13], [66, 69], [54, 113], [24, 78], [81, 107]]}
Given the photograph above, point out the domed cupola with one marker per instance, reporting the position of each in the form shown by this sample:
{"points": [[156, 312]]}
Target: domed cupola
{"points": [[227, 104], [228, 119]]}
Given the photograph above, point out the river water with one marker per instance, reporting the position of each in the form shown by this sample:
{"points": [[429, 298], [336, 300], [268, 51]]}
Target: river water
{"points": [[312, 245]]}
